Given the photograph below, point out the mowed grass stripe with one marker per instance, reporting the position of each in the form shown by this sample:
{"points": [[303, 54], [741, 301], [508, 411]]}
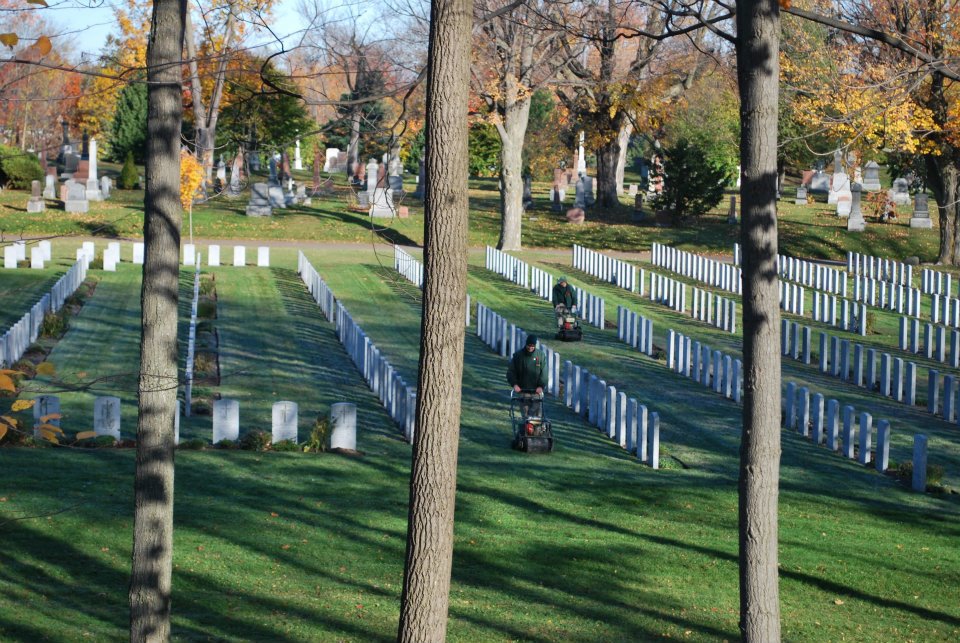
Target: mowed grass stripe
{"points": [[809, 475], [20, 289]]}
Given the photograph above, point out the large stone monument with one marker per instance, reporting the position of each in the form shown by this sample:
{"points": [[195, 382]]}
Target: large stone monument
{"points": [[297, 159], [259, 205], [900, 193]]}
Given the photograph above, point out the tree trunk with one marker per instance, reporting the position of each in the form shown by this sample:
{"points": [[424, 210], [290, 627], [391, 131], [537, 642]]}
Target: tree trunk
{"points": [[433, 476], [626, 131], [942, 179], [758, 29], [152, 558], [512, 132], [608, 155], [353, 148]]}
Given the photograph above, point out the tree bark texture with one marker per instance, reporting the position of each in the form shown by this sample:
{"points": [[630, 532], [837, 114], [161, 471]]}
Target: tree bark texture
{"points": [[433, 477], [608, 156], [151, 566], [758, 39], [626, 131], [512, 131]]}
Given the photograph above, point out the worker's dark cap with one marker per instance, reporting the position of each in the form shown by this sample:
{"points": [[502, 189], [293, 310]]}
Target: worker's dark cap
{"points": [[531, 340]]}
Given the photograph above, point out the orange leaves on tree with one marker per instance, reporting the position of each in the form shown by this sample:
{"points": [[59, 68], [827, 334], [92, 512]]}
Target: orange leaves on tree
{"points": [[43, 45], [191, 178], [22, 405], [9, 39]]}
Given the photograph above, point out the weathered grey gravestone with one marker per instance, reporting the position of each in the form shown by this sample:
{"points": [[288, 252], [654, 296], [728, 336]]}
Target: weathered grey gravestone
{"points": [[588, 191], [527, 192], [35, 203], [855, 222], [276, 197], [921, 212], [871, 177], [226, 420], [285, 416], [105, 186], [76, 201], [259, 205], [343, 426], [44, 407], [732, 212], [801, 196], [632, 190], [106, 416], [900, 193]]}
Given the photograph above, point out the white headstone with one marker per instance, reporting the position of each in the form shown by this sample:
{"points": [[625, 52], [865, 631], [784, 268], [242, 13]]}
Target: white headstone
{"points": [[332, 154], [109, 261], [263, 257], [189, 254], [138, 253], [114, 248], [21, 247], [36, 258], [226, 420], [343, 426], [213, 256], [89, 249], [239, 256], [9, 256], [106, 416], [285, 421], [297, 159], [47, 250]]}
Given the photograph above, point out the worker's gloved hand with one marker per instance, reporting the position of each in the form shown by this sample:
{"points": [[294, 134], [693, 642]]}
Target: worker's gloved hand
{"points": [[516, 389], [573, 310], [539, 390]]}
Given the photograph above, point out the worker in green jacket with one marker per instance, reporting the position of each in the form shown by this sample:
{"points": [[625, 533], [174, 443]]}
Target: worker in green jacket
{"points": [[564, 299], [527, 375]]}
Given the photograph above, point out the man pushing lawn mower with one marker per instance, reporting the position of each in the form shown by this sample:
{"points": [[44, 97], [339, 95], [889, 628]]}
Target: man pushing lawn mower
{"points": [[565, 304], [527, 375]]}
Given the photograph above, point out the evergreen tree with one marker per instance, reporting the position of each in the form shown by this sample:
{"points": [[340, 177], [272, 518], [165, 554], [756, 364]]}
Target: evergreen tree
{"points": [[694, 183], [128, 132]]}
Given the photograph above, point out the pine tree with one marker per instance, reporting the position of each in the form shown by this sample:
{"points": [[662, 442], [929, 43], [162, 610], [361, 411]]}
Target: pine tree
{"points": [[128, 132]]}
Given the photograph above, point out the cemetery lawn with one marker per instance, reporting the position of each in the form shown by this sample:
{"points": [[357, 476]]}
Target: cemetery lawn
{"points": [[805, 231], [584, 544]]}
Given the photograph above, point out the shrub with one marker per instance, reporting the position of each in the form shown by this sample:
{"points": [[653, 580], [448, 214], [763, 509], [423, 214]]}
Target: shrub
{"points": [[129, 177], [286, 445], [54, 324], [208, 285], [205, 364], [226, 444], [196, 444], [18, 169], [256, 440], [206, 309], [317, 442], [934, 473]]}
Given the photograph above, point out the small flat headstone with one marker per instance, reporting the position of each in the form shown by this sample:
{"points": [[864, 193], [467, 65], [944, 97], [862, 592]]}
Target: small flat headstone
{"points": [[106, 416], [343, 426], [284, 421], [226, 420]]}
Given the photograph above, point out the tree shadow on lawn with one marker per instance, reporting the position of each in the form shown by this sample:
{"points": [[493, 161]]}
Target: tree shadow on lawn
{"points": [[376, 226]]}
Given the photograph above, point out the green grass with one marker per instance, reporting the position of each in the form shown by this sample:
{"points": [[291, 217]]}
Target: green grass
{"points": [[806, 231], [20, 289], [583, 545]]}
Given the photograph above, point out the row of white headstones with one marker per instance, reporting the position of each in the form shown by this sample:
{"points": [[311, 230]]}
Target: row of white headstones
{"points": [[42, 253], [226, 420]]}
